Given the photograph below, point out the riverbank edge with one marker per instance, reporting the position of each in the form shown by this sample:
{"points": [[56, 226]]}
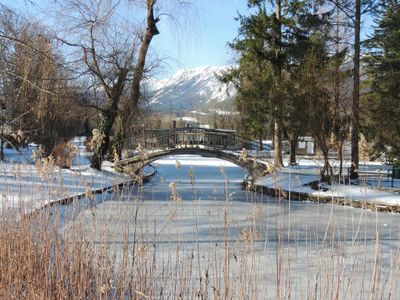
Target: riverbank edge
{"points": [[114, 187], [341, 201]]}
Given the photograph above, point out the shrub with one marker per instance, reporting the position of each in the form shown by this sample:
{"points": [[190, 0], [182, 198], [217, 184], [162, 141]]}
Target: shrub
{"points": [[64, 154]]}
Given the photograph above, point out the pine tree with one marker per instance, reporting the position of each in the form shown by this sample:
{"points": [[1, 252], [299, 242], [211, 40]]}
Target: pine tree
{"points": [[260, 40], [306, 24], [253, 79], [274, 41], [382, 104]]}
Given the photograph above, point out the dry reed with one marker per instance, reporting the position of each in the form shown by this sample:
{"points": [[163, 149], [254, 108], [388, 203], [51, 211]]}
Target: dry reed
{"points": [[195, 249]]}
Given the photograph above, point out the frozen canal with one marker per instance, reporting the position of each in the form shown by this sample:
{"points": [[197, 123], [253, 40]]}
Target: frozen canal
{"points": [[194, 232]]}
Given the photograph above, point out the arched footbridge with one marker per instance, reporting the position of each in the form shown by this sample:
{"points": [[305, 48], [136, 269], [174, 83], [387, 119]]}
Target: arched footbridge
{"points": [[223, 144]]}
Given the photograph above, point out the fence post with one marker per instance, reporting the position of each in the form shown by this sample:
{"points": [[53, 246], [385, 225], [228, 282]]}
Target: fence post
{"points": [[392, 174]]}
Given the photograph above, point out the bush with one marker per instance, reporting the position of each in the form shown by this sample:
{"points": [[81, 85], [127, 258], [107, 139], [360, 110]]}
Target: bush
{"points": [[64, 154]]}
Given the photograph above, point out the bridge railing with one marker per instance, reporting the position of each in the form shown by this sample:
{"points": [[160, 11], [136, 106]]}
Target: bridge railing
{"points": [[211, 139]]}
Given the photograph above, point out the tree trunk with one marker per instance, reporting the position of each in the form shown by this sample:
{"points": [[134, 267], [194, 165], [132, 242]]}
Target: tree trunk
{"points": [[356, 95], [337, 125], [1, 148], [293, 149], [326, 171], [339, 133], [130, 109], [340, 157], [106, 123], [278, 162], [108, 117], [87, 126], [151, 31]]}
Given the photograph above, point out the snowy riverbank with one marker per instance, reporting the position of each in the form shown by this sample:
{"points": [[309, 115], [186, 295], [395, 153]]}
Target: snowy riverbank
{"points": [[23, 188], [302, 183]]}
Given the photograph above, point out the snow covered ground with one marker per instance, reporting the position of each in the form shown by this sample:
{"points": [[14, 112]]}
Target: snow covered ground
{"points": [[299, 178], [23, 189], [265, 246]]}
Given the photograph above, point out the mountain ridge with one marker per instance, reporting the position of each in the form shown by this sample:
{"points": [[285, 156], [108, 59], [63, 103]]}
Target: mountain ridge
{"points": [[190, 89]]}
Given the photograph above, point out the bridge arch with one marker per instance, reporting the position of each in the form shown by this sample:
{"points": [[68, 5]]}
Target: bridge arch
{"points": [[223, 144], [137, 163]]}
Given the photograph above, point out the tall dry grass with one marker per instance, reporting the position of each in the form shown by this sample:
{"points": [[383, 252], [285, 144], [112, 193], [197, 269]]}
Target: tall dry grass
{"points": [[136, 247]]}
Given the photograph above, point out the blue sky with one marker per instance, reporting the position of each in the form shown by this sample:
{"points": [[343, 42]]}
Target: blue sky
{"points": [[204, 40], [193, 37], [197, 36]]}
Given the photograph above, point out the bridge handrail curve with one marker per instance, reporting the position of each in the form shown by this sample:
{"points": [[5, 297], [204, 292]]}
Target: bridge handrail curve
{"points": [[193, 137]]}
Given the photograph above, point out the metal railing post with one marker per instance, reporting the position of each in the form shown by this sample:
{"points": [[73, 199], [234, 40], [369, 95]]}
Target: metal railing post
{"points": [[392, 175]]}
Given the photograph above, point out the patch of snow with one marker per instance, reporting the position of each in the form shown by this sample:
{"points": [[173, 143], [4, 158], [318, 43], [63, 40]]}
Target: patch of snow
{"points": [[194, 160], [224, 112], [189, 119], [199, 113]]}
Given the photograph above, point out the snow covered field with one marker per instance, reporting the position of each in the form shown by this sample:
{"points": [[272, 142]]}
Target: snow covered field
{"points": [[24, 189]]}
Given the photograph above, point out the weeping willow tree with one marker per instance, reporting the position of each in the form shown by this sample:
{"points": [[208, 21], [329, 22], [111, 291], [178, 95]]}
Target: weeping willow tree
{"points": [[42, 105]]}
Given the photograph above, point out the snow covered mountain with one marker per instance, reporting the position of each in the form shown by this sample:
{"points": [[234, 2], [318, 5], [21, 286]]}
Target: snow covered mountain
{"points": [[191, 89]]}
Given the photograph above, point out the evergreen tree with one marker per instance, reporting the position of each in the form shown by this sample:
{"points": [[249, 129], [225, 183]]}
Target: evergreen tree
{"points": [[253, 79], [382, 104], [266, 27], [306, 24], [252, 90], [310, 81], [274, 41]]}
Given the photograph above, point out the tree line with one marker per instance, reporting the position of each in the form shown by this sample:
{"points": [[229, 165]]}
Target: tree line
{"points": [[304, 68]]}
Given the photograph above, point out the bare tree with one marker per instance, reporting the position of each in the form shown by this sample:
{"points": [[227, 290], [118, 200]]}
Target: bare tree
{"points": [[113, 52], [340, 40], [355, 10], [34, 87]]}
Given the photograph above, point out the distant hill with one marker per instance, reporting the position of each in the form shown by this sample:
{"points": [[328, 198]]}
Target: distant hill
{"points": [[191, 89]]}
